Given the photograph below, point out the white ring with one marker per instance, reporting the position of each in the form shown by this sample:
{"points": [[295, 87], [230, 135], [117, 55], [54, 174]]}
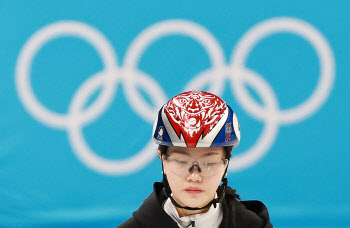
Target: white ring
{"points": [[77, 140], [34, 44], [305, 30]]}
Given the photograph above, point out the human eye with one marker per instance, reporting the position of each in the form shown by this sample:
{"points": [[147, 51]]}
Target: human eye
{"points": [[181, 162], [179, 159], [211, 163]]}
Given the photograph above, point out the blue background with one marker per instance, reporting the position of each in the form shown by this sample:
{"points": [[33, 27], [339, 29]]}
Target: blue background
{"points": [[302, 179]]}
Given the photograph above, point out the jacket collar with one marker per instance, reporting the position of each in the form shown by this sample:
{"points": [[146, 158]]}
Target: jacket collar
{"points": [[152, 208]]}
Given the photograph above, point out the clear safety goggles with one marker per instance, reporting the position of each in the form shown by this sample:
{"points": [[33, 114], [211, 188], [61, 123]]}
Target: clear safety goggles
{"points": [[208, 166]]}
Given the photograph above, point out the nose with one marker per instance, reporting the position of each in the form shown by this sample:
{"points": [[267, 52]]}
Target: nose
{"points": [[195, 163], [194, 175]]}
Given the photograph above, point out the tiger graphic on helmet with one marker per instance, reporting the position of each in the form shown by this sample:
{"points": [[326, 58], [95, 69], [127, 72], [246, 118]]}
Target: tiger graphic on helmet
{"points": [[194, 114]]}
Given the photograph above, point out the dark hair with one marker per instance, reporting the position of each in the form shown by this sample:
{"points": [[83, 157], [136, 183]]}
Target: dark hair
{"points": [[228, 150]]}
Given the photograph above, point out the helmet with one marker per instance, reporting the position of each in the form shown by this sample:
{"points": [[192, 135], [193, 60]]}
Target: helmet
{"points": [[196, 119]]}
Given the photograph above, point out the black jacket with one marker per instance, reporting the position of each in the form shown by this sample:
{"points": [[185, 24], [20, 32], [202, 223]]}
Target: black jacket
{"points": [[236, 214]]}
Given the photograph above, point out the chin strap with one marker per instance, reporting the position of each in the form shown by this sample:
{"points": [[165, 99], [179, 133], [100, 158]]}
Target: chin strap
{"points": [[221, 194]]}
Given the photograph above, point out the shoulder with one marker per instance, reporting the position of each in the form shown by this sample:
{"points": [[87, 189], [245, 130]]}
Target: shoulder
{"points": [[251, 213], [257, 207]]}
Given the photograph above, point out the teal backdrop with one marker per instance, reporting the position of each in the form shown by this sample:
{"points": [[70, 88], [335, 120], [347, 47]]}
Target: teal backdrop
{"points": [[81, 82]]}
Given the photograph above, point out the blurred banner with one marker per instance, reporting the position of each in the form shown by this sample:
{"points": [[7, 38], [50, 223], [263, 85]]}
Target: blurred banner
{"points": [[82, 81]]}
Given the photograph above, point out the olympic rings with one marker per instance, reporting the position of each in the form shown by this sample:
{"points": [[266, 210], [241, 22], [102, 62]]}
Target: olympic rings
{"points": [[77, 117]]}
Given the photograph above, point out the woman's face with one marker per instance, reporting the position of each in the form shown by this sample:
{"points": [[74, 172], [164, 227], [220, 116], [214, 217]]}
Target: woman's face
{"points": [[193, 188]]}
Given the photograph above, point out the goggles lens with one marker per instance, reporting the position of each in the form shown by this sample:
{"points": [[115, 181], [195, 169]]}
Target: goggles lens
{"points": [[207, 166]]}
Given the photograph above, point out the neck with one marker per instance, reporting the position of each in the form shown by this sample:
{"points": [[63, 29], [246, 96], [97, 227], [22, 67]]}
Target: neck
{"points": [[183, 212]]}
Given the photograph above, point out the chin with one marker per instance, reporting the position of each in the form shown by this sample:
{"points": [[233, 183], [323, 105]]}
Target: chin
{"points": [[195, 202]]}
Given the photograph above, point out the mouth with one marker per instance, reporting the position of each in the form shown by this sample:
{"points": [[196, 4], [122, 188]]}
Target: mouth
{"points": [[193, 190]]}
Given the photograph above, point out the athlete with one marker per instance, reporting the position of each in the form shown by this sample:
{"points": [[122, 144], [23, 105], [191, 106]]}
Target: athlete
{"points": [[196, 132]]}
